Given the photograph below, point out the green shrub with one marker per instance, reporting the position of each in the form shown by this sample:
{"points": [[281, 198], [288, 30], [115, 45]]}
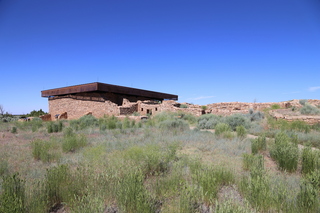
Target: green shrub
{"points": [[303, 102], [4, 168], [73, 142], [183, 106], [41, 150], [13, 198], [307, 198], [14, 130], [84, 122], [310, 160], [174, 124], [209, 121], [151, 159], [109, 122], [308, 109], [55, 126], [250, 161], [186, 116], [221, 128], [255, 116], [275, 106], [300, 126], [258, 144], [241, 131], [314, 178], [285, 153], [256, 187], [237, 120]]}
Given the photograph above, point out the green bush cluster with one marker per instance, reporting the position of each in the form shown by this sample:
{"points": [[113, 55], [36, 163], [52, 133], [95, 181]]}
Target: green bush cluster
{"points": [[303, 102], [174, 124], [258, 144], [72, 142], [237, 120], [4, 167], [241, 131], [209, 121], [223, 130], [275, 106], [255, 116], [56, 126], [285, 153], [310, 160], [256, 186], [46, 151], [308, 109], [84, 122], [184, 106], [13, 196]]}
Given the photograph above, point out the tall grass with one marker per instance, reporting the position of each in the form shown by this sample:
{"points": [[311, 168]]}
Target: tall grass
{"points": [[73, 142], [310, 160], [12, 198], [285, 152], [258, 144], [44, 150]]}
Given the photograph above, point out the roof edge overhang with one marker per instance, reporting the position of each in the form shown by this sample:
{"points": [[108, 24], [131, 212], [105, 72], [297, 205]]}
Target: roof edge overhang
{"points": [[101, 87]]}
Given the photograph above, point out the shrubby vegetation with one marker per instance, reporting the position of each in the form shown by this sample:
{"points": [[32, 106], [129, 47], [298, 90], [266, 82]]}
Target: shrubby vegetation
{"points": [[160, 165], [308, 109], [285, 152]]}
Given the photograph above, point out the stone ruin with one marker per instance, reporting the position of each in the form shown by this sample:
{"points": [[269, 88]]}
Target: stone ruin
{"points": [[77, 101]]}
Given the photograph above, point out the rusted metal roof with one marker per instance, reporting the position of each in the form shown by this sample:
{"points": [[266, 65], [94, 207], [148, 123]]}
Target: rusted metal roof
{"points": [[101, 87]]}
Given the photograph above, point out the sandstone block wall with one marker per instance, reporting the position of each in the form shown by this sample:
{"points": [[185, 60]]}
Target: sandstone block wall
{"points": [[77, 108], [128, 109]]}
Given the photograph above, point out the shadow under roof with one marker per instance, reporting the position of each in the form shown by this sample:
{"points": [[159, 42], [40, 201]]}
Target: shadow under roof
{"points": [[101, 87]]}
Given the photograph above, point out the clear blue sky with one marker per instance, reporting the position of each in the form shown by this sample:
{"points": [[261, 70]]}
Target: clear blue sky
{"points": [[205, 51]]}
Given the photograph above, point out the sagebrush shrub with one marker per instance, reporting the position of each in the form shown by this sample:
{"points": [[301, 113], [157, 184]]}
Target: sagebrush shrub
{"points": [[308, 109], [237, 120], [209, 121], [303, 101], [174, 124]]}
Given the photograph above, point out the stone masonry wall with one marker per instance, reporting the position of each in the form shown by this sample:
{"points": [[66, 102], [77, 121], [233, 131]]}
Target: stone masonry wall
{"points": [[77, 108]]}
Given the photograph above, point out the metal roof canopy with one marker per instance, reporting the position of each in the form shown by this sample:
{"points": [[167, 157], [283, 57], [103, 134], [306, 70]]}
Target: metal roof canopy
{"points": [[101, 87]]}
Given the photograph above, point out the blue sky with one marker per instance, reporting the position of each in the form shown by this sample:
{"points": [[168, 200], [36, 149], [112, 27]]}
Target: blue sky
{"points": [[204, 51]]}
